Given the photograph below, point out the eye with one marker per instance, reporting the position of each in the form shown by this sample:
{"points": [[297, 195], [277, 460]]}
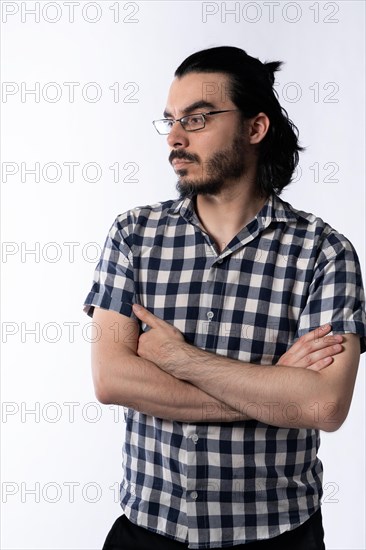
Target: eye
{"points": [[194, 119]]}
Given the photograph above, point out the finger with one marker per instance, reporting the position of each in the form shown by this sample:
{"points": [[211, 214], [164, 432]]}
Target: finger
{"points": [[313, 358], [311, 342], [319, 332], [146, 316], [321, 364], [301, 347], [304, 354], [316, 335]]}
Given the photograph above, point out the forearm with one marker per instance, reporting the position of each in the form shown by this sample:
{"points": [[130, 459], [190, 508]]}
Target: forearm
{"points": [[139, 384], [278, 395], [308, 388]]}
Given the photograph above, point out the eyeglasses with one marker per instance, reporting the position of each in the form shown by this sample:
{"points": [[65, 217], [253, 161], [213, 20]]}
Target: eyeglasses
{"points": [[191, 123]]}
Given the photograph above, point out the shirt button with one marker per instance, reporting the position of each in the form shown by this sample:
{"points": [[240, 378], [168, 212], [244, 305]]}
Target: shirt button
{"points": [[194, 495], [195, 438], [210, 315], [220, 261]]}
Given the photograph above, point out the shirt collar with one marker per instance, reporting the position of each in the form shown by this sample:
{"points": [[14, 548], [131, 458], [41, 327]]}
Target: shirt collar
{"points": [[274, 209]]}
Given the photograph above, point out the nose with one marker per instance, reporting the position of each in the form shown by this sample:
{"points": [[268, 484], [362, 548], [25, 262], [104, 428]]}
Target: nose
{"points": [[178, 137]]}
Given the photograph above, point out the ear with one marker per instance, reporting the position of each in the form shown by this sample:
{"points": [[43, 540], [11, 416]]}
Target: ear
{"points": [[258, 128]]}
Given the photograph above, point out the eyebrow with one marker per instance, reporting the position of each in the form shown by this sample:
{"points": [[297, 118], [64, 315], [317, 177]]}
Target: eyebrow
{"points": [[192, 107]]}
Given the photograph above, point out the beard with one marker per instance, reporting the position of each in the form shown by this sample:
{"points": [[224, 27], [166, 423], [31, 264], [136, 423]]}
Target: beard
{"points": [[227, 164]]}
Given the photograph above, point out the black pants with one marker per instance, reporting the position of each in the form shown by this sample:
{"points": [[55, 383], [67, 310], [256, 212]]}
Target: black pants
{"points": [[125, 535]]}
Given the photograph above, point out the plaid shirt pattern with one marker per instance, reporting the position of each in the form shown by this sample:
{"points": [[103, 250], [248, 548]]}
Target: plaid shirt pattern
{"points": [[219, 484]]}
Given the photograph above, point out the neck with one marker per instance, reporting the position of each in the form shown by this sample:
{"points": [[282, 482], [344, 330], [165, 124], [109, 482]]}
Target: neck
{"points": [[225, 214]]}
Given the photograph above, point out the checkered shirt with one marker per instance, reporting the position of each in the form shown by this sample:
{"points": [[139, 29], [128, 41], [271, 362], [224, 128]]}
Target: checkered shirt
{"points": [[219, 484]]}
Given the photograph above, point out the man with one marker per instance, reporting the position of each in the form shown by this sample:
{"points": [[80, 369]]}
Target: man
{"points": [[218, 298]]}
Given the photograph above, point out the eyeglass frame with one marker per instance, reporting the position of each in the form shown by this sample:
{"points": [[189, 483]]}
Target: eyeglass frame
{"points": [[203, 115]]}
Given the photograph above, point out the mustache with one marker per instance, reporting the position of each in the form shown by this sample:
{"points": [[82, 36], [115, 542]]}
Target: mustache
{"points": [[182, 155]]}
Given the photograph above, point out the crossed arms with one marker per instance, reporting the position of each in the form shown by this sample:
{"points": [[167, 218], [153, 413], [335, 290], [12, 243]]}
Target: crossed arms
{"points": [[159, 374]]}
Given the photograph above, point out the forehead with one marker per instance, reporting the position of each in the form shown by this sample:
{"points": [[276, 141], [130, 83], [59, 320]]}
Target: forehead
{"points": [[210, 88]]}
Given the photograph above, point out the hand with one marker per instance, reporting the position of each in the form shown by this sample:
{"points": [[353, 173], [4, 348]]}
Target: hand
{"points": [[160, 342], [314, 350]]}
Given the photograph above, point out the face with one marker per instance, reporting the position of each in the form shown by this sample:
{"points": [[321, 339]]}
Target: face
{"points": [[215, 157]]}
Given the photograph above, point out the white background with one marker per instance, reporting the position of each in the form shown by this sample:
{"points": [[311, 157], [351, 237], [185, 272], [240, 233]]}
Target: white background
{"points": [[68, 452]]}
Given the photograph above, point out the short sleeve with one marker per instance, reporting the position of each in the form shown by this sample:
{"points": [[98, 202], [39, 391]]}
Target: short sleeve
{"points": [[336, 293], [113, 284]]}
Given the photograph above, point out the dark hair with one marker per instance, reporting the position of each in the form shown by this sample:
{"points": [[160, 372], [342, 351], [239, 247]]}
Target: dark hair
{"points": [[251, 89]]}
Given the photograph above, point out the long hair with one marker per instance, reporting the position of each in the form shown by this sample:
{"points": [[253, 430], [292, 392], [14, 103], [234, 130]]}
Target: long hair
{"points": [[251, 90]]}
